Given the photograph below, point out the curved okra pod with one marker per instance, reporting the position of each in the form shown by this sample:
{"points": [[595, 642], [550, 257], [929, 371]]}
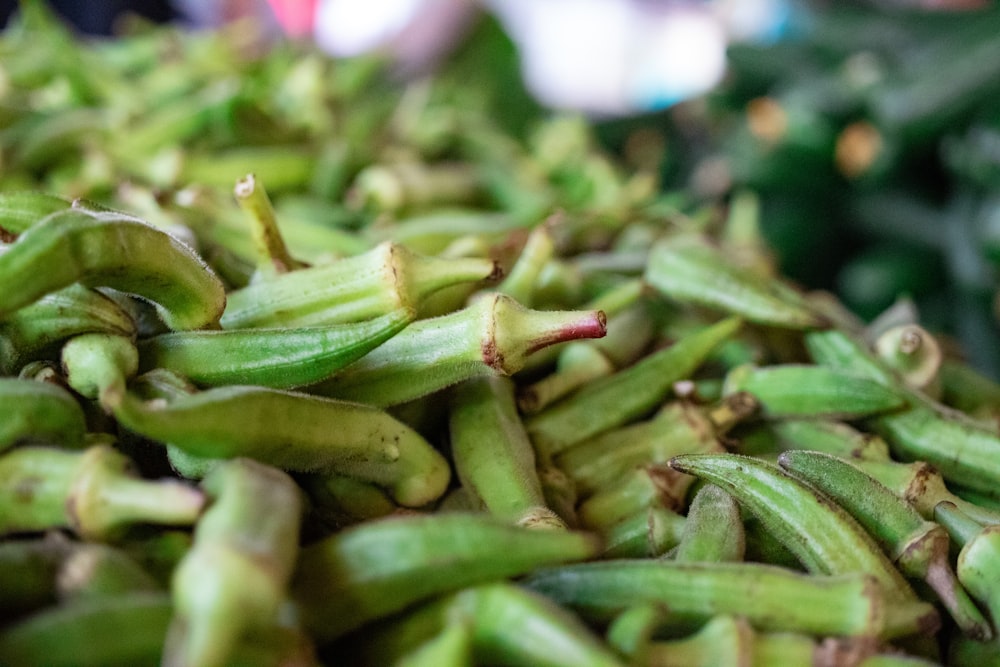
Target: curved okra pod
{"points": [[234, 580], [92, 492], [918, 546], [493, 336], [293, 431], [379, 281], [492, 454], [510, 626], [630, 631], [338, 500], [690, 270], [100, 248], [39, 412], [800, 390], [771, 598], [625, 395], [824, 537], [713, 530], [372, 570], [282, 358], [978, 566], [34, 329]]}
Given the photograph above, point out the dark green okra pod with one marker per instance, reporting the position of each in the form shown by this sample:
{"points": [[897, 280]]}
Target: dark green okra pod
{"points": [[93, 492], [39, 412], [372, 570], [234, 580]]}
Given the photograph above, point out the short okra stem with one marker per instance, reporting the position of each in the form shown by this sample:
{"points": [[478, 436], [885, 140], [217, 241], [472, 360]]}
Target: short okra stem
{"points": [[272, 253], [493, 336], [539, 248], [93, 492], [98, 365]]}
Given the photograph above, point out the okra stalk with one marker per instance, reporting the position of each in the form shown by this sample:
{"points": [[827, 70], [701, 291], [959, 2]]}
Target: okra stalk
{"points": [[272, 253]]}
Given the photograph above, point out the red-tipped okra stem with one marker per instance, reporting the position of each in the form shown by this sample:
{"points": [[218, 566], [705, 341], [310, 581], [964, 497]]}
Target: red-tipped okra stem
{"points": [[93, 492], [493, 336]]}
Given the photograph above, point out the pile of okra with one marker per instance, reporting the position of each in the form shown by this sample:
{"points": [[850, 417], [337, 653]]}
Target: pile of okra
{"points": [[302, 365]]}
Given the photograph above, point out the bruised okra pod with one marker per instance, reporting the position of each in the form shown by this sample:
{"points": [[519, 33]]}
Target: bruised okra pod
{"points": [[372, 570], [918, 546], [625, 395], [282, 358], [102, 248], [379, 281], [713, 531], [492, 454], [234, 580], [39, 412], [493, 336], [824, 537], [292, 431], [92, 492], [510, 626]]}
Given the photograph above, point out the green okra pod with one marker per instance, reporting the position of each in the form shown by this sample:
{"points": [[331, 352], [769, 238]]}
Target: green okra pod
{"points": [[650, 533], [771, 598], [338, 500], [40, 413], [638, 489], [808, 391], [93, 492], [379, 281], [977, 566], [97, 365], [830, 436], [690, 270], [625, 395], [235, 578], [293, 431], [102, 248], [630, 631], [519, 283], [493, 336], [410, 186], [282, 358], [577, 365], [370, 571], [492, 454], [451, 647], [713, 530], [510, 626], [918, 546], [824, 537], [21, 209]]}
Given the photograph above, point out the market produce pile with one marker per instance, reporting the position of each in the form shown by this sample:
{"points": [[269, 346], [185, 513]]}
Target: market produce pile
{"points": [[301, 365]]}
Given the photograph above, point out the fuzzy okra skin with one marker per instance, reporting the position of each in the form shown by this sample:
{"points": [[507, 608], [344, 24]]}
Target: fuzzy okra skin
{"points": [[918, 546], [281, 358], [771, 598], [372, 570], [39, 412], [492, 454], [376, 282], [713, 531], [493, 336], [824, 537], [103, 248], [294, 431]]}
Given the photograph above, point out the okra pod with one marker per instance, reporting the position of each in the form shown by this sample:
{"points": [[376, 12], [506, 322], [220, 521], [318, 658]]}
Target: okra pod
{"points": [[713, 531], [39, 413], [977, 561], [650, 533]]}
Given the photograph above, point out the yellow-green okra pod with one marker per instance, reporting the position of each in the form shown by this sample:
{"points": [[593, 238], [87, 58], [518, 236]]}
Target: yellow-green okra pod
{"points": [[493, 336], [492, 454], [377, 568], [282, 358], [732, 640], [39, 412], [104, 248], [93, 492], [918, 546], [625, 395], [293, 431], [234, 580], [379, 281], [824, 537]]}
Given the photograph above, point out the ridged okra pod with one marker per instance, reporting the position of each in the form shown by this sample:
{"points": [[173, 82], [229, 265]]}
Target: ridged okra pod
{"points": [[510, 626], [713, 530], [293, 431], [824, 537], [102, 248], [625, 395], [234, 580], [918, 546], [372, 570], [830, 436], [493, 336], [93, 492], [640, 488], [379, 281], [771, 598], [492, 454], [40, 413], [649, 533], [282, 358]]}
